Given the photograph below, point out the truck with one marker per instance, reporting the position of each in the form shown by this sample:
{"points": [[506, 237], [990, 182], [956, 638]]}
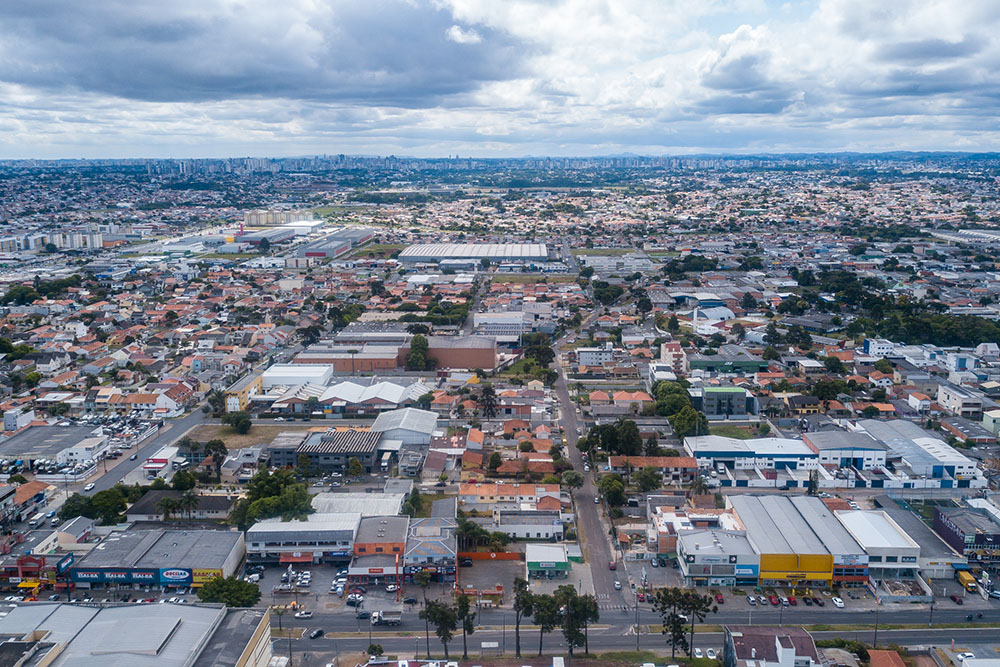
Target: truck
{"points": [[387, 617], [967, 580], [37, 520]]}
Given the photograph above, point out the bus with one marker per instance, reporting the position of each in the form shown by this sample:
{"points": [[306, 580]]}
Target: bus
{"points": [[37, 520]]}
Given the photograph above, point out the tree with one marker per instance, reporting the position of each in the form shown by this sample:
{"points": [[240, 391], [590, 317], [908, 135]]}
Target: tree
{"points": [[77, 505], [189, 501], [770, 354], [739, 331], [578, 611], [423, 579], [444, 619], [485, 263], [218, 451], [51, 248], [523, 605], [495, 461], [240, 421], [230, 591], [648, 479], [183, 480], [354, 467], [698, 486], [572, 479], [488, 401], [109, 504], [613, 490], [813, 487], [834, 365], [304, 464], [264, 246], [167, 506], [688, 422], [417, 359], [673, 324], [748, 303], [375, 650], [771, 334], [467, 620], [666, 603], [697, 607], [424, 401], [545, 614], [884, 366]]}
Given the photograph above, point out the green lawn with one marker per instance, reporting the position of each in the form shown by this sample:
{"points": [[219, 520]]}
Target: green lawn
{"points": [[730, 431], [530, 278]]}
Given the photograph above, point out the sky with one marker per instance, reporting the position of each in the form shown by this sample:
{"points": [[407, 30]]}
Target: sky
{"points": [[503, 78]]}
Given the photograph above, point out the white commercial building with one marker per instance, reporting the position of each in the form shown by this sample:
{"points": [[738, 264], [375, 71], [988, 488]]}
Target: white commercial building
{"points": [[736, 454], [410, 426], [892, 554], [595, 356], [290, 375]]}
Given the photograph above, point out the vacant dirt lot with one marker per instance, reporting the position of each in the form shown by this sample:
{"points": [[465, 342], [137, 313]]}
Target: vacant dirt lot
{"points": [[260, 433]]}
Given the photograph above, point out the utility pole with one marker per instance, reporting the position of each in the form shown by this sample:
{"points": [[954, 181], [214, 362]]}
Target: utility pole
{"points": [[875, 638], [930, 618], [636, 620]]}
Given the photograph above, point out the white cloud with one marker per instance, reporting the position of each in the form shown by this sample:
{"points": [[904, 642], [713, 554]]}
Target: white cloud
{"points": [[461, 36]]}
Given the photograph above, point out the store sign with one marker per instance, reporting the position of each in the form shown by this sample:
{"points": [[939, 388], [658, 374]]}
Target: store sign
{"points": [[64, 563], [116, 575], [87, 575], [743, 571], [711, 560], [15, 580], [546, 566], [175, 576], [203, 576], [375, 570], [144, 576]]}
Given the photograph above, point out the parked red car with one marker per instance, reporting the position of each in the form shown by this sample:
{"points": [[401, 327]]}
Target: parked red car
{"points": [[792, 601], [719, 598], [773, 599]]}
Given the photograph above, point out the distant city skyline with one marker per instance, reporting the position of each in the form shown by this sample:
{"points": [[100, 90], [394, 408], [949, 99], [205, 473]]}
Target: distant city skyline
{"points": [[482, 79]]}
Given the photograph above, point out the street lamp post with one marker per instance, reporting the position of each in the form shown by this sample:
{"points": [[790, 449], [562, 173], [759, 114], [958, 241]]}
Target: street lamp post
{"points": [[875, 637], [930, 618]]}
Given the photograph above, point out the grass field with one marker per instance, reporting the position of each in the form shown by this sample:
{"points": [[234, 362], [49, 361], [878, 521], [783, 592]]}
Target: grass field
{"points": [[259, 434], [730, 431], [601, 251], [380, 250]]}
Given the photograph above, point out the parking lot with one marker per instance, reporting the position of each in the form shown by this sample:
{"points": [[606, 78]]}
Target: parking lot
{"points": [[490, 574]]}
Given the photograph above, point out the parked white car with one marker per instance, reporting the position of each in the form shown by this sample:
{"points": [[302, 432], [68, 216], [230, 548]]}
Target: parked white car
{"points": [[838, 603]]}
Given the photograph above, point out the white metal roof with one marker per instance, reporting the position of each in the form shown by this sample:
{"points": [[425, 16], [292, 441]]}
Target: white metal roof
{"points": [[874, 529]]}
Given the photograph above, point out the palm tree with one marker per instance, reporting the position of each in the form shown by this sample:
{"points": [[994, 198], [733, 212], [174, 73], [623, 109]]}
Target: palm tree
{"points": [[697, 486], [423, 579], [168, 506], [189, 501]]}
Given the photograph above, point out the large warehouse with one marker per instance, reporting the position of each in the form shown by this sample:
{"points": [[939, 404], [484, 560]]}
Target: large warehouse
{"points": [[495, 252]]}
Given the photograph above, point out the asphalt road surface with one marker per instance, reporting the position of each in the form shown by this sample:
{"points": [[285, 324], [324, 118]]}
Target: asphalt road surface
{"points": [[605, 639]]}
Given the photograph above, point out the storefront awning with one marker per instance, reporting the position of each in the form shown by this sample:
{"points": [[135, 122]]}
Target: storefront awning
{"points": [[960, 566], [28, 584], [297, 557]]}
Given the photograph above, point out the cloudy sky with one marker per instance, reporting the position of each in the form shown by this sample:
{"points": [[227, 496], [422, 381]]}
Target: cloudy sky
{"points": [[204, 78]]}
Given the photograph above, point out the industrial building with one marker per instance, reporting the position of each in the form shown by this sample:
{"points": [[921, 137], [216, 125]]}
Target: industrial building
{"points": [[923, 453], [71, 635], [735, 454], [495, 252], [937, 559], [337, 243], [845, 449], [128, 559], [411, 426], [791, 553], [272, 235]]}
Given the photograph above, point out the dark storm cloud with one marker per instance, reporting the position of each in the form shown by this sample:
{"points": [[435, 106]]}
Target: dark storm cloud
{"points": [[380, 52], [926, 50]]}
